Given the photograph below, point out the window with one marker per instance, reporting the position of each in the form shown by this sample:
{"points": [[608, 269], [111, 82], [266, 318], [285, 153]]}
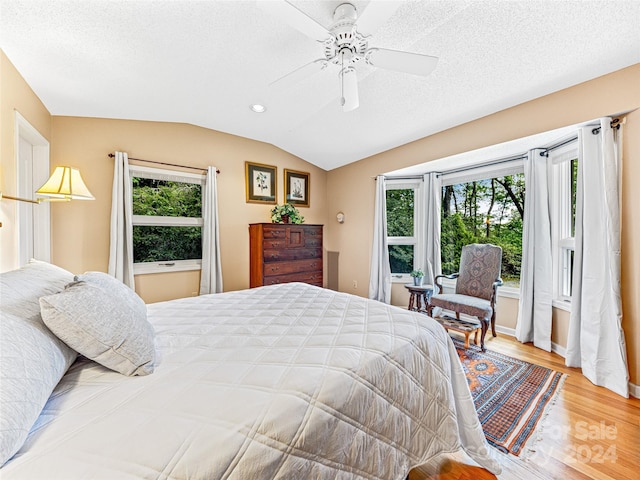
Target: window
{"points": [[484, 205], [403, 223], [564, 172], [167, 220]]}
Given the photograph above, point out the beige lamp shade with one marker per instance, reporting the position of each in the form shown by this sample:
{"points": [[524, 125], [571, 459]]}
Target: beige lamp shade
{"points": [[66, 183]]}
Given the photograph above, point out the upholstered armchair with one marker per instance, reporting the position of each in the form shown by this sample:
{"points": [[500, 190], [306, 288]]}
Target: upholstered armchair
{"points": [[476, 288]]}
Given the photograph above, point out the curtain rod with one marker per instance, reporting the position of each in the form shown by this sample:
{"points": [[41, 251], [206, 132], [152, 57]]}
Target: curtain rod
{"points": [[406, 177], [461, 169], [111, 155], [486, 164], [615, 123], [545, 152]]}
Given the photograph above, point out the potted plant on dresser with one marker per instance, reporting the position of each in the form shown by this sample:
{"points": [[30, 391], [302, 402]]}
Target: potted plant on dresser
{"points": [[286, 213]]}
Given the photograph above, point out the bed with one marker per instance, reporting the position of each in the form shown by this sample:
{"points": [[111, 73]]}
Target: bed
{"points": [[279, 382]]}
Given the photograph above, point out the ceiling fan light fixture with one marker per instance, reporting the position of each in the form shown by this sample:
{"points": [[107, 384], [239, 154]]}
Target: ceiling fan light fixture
{"points": [[349, 99], [258, 108]]}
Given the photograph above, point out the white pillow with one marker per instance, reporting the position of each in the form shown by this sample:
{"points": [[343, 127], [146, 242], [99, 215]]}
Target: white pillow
{"points": [[32, 359], [124, 293], [104, 320]]}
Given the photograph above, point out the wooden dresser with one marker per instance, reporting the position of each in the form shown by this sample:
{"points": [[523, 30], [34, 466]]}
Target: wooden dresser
{"points": [[282, 253]]}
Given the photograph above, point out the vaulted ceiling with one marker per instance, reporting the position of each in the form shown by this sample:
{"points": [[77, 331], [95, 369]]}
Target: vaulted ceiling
{"points": [[206, 62]]}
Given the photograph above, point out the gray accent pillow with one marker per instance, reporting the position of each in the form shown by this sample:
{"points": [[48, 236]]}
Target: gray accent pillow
{"points": [[124, 293], [32, 358], [104, 320]]}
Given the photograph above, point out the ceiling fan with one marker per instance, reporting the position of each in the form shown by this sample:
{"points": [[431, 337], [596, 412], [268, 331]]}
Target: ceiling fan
{"points": [[346, 43]]}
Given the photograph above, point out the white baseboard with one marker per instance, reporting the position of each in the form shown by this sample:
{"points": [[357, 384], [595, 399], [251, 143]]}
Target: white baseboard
{"points": [[559, 349], [507, 331], [634, 390]]}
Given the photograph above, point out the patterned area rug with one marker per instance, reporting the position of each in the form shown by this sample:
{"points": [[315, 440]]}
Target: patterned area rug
{"points": [[510, 395]]}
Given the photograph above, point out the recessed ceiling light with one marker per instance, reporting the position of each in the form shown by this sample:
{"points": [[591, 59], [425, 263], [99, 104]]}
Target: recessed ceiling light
{"points": [[258, 108]]}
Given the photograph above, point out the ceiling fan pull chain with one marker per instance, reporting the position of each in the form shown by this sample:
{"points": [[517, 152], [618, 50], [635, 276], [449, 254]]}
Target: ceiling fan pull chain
{"points": [[342, 99]]}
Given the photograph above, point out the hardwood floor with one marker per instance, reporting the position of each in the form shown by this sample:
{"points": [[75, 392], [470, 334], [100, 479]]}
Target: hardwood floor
{"points": [[590, 432]]}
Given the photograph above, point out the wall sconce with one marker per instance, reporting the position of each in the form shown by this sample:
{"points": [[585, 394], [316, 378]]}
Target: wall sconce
{"points": [[64, 184]]}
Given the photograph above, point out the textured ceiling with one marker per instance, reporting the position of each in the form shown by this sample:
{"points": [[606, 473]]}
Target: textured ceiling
{"points": [[206, 62]]}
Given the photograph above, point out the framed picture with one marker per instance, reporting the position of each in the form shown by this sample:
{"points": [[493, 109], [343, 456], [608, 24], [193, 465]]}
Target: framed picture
{"points": [[261, 183], [296, 188]]}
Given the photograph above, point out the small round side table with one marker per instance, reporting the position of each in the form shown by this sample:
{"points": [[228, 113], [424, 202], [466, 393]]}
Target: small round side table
{"points": [[419, 296]]}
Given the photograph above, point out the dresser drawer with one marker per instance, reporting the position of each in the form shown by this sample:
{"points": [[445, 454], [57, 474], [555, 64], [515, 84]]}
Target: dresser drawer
{"points": [[274, 243], [273, 231], [279, 243], [271, 255], [314, 278], [313, 230], [294, 266], [311, 241]]}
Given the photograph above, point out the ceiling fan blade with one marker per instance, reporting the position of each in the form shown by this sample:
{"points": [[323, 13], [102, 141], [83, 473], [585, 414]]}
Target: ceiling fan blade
{"points": [[349, 100], [376, 13], [295, 18], [415, 63], [301, 73]]}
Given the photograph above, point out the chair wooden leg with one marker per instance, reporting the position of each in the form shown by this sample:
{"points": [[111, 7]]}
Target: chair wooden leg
{"points": [[466, 339], [493, 323], [485, 327]]}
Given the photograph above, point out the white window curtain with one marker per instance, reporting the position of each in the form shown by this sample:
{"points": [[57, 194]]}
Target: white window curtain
{"points": [[596, 340], [121, 237], [536, 277], [211, 274], [432, 201], [380, 276]]}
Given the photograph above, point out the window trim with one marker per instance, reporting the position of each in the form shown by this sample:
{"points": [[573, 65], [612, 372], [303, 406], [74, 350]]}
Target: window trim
{"points": [[160, 221], [415, 240], [484, 172], [562, 243], [144, 268]]}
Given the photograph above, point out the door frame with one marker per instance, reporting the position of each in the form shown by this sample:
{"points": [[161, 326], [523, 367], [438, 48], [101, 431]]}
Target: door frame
{"points": [[34, 221]]}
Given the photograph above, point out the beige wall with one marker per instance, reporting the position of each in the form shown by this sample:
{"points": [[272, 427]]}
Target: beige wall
{"points": [[559, 327], [352, 187], [80, 230], [15, 96]]}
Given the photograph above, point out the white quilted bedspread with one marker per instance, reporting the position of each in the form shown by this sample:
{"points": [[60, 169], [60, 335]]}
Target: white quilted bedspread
{"points": [[284, 382]]}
